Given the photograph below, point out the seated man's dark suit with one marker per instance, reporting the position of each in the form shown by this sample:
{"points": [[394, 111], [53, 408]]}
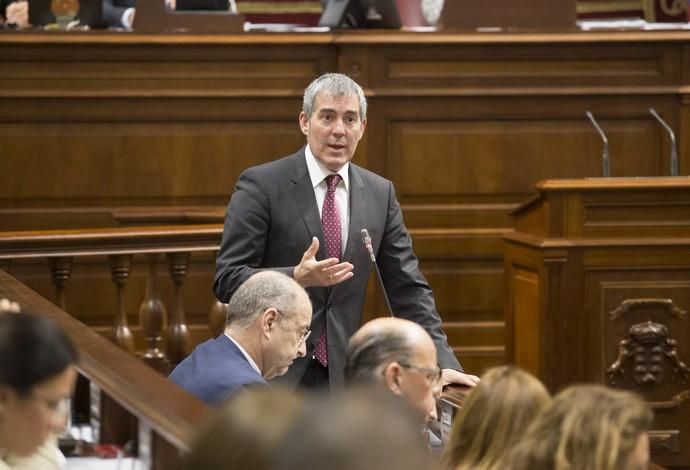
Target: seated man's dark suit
{"points": [[215, 370], [271, 220]]}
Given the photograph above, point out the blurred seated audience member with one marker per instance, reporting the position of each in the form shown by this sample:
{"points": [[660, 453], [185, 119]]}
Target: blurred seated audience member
{"points": [[586, 427], [360, 429], [267, 325], [244, 433], [119, 13], [15, 14], [37, 376], [401, 356], [493, 418], [47, 457]]}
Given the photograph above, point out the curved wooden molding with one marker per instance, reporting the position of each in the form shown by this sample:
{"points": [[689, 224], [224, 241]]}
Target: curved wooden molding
{"points": [[663, 304]]}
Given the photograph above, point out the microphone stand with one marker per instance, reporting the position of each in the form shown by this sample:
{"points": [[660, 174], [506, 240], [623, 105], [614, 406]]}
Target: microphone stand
{"points": [[367, 244], [672, 136], [606, 168]]}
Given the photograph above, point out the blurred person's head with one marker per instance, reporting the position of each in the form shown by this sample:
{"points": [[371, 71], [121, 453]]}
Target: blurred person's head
{"points": [[586, 427], [493, 418], [270, 315], [363, 429], [333, 118], [400, 355], [37, 375], [245, 432]]}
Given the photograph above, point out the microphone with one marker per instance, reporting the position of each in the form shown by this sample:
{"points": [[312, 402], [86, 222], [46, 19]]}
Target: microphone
{"points": [[674, 150], [366, 239], [606, 168]]}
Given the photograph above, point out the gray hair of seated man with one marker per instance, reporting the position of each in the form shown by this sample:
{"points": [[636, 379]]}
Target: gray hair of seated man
{"points": [[263, 290]]}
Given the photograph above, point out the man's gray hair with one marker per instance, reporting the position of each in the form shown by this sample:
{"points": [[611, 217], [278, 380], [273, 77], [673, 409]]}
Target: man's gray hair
{"points": [[365, 356], [263, 290], [333, 84]]}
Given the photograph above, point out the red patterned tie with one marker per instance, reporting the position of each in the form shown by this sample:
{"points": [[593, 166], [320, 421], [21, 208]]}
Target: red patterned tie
{"points": [[330, 223]]}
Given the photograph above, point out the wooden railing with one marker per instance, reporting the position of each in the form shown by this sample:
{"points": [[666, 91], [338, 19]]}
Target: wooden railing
{"points": [[62, 248], [164, 416]]}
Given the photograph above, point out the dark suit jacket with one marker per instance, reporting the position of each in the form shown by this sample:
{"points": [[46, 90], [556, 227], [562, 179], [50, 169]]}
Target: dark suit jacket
{"points": [[215, 370], [269, 223]]}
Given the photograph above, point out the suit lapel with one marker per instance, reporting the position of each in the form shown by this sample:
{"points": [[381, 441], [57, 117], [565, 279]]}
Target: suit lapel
{"points": [[357, 214], [306, 202]]}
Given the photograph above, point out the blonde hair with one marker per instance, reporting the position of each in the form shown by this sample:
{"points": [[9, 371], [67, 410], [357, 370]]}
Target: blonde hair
{"points": [[584, 427], [493, 417]]}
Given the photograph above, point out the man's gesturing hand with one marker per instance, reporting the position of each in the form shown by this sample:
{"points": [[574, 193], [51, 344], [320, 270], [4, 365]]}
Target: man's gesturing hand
{"points": [[328, 272]]}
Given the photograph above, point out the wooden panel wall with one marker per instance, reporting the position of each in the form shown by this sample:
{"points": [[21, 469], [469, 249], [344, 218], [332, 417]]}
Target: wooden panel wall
{"points": [[464, 125]]}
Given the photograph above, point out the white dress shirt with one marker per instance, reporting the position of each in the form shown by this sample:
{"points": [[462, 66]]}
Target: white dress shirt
{"points": [[246, 355], [318, 174]]}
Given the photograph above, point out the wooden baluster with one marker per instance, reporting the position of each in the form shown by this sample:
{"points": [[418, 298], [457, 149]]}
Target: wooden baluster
{"points": [[178, 340], [216, 317], [119, 270], [153, 318], [217, 314], [60, 272]]}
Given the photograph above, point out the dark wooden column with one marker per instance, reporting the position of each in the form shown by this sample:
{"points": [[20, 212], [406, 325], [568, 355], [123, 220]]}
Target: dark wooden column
{"points": [[121, 334], [178, 340], [60, 272], [153, 318]]}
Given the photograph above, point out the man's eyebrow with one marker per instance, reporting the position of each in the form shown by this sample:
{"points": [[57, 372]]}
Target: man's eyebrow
{"points": [[332, 110]]}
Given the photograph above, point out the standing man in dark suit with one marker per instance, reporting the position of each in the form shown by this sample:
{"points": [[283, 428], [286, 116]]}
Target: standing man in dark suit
{"points": [[318, 200]]}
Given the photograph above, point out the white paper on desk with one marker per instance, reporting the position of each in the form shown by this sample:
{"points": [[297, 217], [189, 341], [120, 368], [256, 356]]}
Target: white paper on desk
{"points": [[94, 463], [592, 25]]}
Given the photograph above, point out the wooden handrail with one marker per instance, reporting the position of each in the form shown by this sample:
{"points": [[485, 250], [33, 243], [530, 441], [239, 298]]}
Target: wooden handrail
{"points": [[167, 409], [110, 241]]}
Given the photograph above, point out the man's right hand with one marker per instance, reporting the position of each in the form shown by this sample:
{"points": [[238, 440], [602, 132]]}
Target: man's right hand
{"points": [[328, 272]]}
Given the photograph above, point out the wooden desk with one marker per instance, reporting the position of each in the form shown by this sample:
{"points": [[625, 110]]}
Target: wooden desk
{"points": [[598, 289]]}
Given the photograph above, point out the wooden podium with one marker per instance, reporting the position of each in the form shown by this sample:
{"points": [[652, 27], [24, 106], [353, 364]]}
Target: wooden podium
{"points": [[598, 290]]}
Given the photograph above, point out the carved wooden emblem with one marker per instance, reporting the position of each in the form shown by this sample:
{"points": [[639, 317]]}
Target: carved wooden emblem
{"points": [[648, 349]]}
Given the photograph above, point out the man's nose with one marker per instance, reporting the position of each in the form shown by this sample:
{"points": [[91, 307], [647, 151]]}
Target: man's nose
{"points": [[339, 127], [302, 349]]}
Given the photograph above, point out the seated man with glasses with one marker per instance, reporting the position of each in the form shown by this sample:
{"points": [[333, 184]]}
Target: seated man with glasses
{"points": [[265, 331], [400, 355]]}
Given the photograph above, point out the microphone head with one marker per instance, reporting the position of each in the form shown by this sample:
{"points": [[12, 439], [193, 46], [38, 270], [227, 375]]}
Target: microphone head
{"points": [[367, 244]]}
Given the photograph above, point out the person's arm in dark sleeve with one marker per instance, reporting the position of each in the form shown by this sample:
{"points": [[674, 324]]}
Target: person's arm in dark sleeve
{"points": [[409, 293], [247, 221]]}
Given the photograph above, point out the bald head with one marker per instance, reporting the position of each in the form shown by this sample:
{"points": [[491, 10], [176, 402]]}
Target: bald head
{"points": [[264, 290], [380, 342]]}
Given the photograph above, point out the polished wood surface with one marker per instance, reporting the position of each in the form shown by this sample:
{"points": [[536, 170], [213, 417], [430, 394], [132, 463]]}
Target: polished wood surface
{"points": [[597, 290], [99, 127]]}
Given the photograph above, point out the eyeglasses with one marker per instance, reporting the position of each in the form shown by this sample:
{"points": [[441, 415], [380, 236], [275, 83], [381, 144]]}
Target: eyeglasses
{"points": [[432, 375], [303, 338]]}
